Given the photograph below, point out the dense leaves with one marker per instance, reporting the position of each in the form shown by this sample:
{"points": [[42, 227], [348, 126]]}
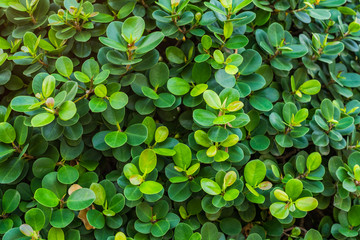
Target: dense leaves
{"points": [[179, 119]]}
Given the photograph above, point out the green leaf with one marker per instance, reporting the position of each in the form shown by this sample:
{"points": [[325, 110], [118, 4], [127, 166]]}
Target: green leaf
{"points": [[4, 44], [230, 226], [160, 228], [202, 138], [30, 40], [175, 55], [159, 75], [206, 42], [182, 158], [23, 103], [80, 199], [306, 204], [164, 152], [42, 119], [321, 14], [95, 218], [25, 229], [209, 231], [295, 51], [147, 161], [7, 133], [150, 93], [132, 29], [67, 175], [252, 61], [67, 110], [279, 210], [10, 200], [281, 63], [327, 109], [212, 99], [281, 195], [144, 212], [276, 34], [231, 69], [231, 194], [294, 188], [150, 42], [64, 66], [350, 80], [353, 216], [204, 117], [238, 41], [230, 178], [224, 119], [113, 44], [46, 197], [217, 134], [346, 11], [61, 218], [313, 234], [254, 172], [260, 142], [214, 8], [276, 121], [136, 134], [241, 5], [124, 11], [178, 86], [115, 139], [284, 140], [313, 161], [100, 90], [288, 111], [97, 105], [310, 87], [117, 202], [260, 103], [161, 134], [230, 141], [210, 186], [11, 170], [82, 77], [218, 56], [150, 124], [183, 232], [48, 86], [225, 79], [301, 115], [150, 187], [56, 234], [118, 100], [35, 218], [353, 27]]}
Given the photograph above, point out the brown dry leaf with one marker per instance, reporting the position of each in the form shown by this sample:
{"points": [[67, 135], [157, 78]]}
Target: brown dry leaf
{"points": [[82, 217], [73, 188]]}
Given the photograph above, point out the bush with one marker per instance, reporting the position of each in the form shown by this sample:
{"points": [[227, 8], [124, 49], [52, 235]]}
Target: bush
{"points": [[179, 119]]}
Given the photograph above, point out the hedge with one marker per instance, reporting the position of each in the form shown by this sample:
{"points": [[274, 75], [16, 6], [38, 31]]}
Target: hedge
{"points": [[179, 119]]}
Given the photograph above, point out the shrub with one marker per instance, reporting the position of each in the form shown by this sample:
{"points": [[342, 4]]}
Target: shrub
{"points": [[179, 119]]}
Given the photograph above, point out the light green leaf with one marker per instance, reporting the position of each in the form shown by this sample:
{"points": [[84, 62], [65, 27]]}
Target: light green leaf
{"points": [[64, 66]]}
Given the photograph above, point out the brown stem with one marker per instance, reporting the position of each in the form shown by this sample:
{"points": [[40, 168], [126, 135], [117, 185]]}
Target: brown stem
{"points": [[144, 4], [43, 63], [300, 9], [33, 20], [83, 96], [342, 37], [19, 150]]}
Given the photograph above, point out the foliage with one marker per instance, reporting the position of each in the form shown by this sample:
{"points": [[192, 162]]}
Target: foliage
{"points": [[179, 119]]}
